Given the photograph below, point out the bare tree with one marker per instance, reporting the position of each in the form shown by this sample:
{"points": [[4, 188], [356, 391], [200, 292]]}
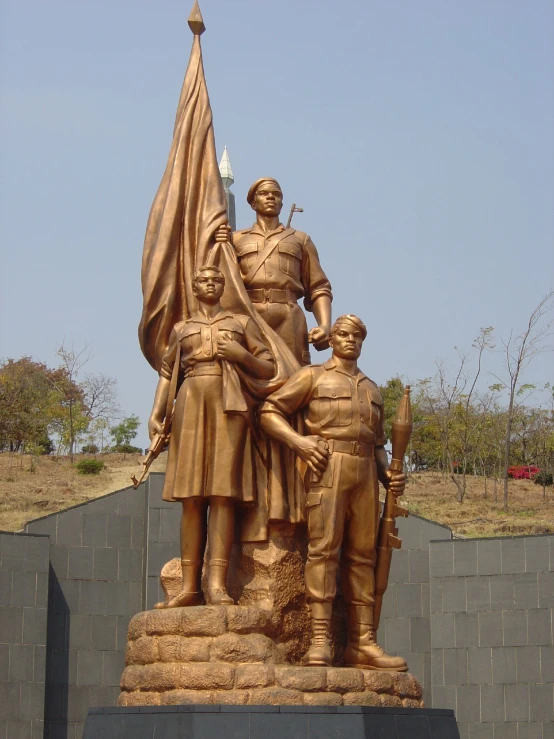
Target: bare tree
{"points": [[95, 401], [518, 352], [481, 343], [72, 363], [100, 394], [450, 403]]}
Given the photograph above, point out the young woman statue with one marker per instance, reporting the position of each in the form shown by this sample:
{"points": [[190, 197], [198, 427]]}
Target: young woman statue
{"points": [[209, 463]]}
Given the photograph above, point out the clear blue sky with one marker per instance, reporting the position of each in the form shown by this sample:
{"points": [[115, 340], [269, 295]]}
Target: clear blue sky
{"points": [[417, 136]]}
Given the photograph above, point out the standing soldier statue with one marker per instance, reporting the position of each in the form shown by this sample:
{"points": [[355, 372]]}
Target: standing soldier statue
{"points": [[345, 453], [280, 265]]}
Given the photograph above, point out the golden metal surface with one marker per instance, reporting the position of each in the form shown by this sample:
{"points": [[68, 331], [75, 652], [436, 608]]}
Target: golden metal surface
{"points": [[222, 326], [344, 450]]}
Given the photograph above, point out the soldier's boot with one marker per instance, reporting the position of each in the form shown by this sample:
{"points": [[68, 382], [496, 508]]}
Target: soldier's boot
{"points": [[190, 593], [362, 650], [319, 652], [217, 587]]}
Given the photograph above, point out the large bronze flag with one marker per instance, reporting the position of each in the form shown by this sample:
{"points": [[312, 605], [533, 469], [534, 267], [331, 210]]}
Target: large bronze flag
{"points": [[188, 208]]}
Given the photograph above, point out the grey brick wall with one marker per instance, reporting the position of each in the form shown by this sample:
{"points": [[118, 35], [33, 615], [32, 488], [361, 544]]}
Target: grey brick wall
{"points": [[473, 618], [162, 537], [492, 652], [23, 607], [405, 617], [96, 586]]}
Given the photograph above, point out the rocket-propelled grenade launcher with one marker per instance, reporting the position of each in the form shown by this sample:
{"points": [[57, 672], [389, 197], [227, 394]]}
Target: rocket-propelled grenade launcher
{"points": [[387, 539]]}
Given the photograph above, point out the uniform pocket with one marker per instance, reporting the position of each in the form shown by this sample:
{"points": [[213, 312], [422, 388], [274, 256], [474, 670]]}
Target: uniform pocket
{"points": [[231, 329], [323, 480], [290, 259], [331, 407], [191, 339], [314, 514], [246, 254]]}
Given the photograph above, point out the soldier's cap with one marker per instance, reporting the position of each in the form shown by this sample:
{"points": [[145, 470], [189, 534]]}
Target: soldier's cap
{"points": [[254, 187], [352, 320]]}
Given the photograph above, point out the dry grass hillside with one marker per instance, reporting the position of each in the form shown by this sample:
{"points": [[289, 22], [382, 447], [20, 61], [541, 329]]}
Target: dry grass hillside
{"points": [[55, 484], [27, 493]]}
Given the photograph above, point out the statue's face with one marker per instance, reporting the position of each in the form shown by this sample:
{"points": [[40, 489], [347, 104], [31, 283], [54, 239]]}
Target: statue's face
{"points": [[268, 199], [347, 341], [208, 287]]}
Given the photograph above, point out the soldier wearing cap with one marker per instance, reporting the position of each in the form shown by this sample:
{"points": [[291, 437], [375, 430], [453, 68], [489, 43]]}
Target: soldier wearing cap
{"points": [[345, 454], [279, 266]]}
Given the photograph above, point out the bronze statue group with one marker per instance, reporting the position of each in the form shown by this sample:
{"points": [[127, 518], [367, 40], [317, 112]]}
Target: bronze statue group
{"points": [[239, 423]]}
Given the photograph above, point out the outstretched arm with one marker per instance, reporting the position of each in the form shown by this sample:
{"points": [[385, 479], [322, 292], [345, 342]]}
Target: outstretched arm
{"points": [[312, 449], [292, 397]]}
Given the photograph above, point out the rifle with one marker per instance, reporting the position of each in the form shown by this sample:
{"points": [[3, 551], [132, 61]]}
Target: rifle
{"points": [[293, 210], [387, 538], [157, 445]]}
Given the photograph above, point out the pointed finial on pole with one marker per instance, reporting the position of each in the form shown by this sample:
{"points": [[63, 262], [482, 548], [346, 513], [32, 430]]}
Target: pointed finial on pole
{"points": [[195, 21]]}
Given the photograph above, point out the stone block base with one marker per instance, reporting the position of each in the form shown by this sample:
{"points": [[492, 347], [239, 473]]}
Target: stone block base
{"points": [[271, 722], [220, 655]]}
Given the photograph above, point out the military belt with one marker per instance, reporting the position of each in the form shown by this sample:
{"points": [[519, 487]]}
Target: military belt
{"points": [[272, 295], [203, 368], [356, 448]]}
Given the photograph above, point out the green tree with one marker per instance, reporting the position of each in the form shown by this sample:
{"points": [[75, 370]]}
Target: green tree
{"points": [[392, 393], [124, 433], [30, 403]]}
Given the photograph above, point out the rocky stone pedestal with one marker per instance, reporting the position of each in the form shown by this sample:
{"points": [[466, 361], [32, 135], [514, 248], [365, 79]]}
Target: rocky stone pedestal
{"points": [[226, 655], [269, 576]]}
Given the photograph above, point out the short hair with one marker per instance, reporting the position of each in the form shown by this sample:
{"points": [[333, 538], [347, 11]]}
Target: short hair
{"points": [[207, 268], [353, 320], [253, 188]]}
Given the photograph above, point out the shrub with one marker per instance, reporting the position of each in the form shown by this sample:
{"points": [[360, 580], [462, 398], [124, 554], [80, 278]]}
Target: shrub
{"points": [[523, 472], [126, 449], [89, 467], [544, 478], [90, 449], [46, 446]]}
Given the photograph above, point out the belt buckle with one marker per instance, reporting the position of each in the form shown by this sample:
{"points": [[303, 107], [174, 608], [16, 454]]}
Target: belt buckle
{"points": [[356, 448], [267, 294]]}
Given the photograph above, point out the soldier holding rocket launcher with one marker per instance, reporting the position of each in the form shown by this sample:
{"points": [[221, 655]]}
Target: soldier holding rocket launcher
{"points": [[345, 453]]}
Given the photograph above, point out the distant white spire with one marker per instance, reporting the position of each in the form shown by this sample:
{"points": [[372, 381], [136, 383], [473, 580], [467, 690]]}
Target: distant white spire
{"points": [[227, 179], [225, 169]]}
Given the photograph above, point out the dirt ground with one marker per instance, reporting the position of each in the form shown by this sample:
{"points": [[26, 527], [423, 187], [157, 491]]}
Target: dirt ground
{"points": [[432, 497], [30, 490]]}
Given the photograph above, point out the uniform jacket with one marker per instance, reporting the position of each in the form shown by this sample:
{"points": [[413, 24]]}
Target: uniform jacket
{"points": [[198, 337], [335, 404], [293, 265]]}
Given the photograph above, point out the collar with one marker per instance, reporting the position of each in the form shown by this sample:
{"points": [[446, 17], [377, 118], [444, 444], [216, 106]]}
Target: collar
{"points": [[332, 364], [280, 228], [199, 318]]}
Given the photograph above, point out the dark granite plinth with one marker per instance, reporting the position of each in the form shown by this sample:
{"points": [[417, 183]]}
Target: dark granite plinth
{"points": [[270, 722]]}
